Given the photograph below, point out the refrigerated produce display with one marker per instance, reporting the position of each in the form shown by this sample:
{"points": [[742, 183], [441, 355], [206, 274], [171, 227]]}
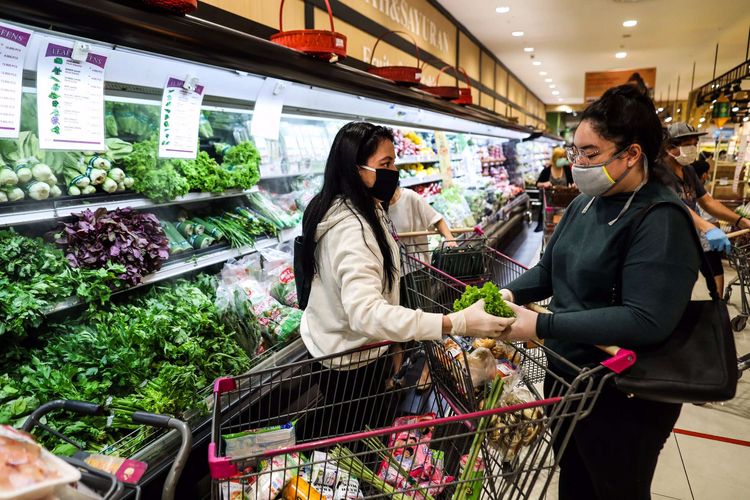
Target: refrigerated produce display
{"points": [[134, 280]]}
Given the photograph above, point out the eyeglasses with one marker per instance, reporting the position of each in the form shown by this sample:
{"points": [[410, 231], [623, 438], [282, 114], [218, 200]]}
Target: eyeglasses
{"points": [[577, 156]]}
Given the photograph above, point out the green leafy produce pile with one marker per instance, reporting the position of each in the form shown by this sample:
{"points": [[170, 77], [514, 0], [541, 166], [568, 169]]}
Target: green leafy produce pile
{"points": [[205, 175], [155, 353], [493, 301], [165, 180], [156, 179], [34, 276]]}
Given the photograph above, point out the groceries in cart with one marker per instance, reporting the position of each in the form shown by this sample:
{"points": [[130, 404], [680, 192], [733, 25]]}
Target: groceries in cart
{"points": [[27, 470], [411, 462], [256, 441]]}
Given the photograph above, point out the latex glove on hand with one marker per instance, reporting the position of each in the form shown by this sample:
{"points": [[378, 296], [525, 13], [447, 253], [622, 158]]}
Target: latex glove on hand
{"points": [[524, 328], [475, 322], [718, 241], [450, 244]]}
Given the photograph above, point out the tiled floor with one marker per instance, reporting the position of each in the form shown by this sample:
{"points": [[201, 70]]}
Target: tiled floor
{"points": [[693, 467]]}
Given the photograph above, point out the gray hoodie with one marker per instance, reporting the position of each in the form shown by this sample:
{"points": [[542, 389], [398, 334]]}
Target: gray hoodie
{"points": [[349, 306]]}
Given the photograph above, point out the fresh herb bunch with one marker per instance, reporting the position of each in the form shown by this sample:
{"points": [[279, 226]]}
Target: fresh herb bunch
{"points": [[35, 275], [156, 353], [493, 300], [122, 236]]}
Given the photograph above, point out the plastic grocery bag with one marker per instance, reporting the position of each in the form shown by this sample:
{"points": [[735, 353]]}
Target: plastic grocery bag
{"points": [[278, 275]]}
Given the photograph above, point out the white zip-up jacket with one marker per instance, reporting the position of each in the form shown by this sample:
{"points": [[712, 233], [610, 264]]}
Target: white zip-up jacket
{"points": [[349, 305]]}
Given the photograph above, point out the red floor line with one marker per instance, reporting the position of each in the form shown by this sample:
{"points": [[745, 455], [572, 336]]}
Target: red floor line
{"points": [[712, 437]]}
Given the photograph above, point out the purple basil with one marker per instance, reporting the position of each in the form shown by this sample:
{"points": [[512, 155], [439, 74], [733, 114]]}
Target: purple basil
{"points": [[122, 236]]}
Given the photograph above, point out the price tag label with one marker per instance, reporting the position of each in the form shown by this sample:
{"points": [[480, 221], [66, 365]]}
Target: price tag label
{"points": [[70, 98], [180, 119], [13, 43]]}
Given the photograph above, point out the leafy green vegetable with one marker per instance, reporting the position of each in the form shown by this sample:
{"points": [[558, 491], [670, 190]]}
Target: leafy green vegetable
{"points": [[205, 175], [34, 276], [243, 160], [493, 300], [155, 353], [156, 179]]}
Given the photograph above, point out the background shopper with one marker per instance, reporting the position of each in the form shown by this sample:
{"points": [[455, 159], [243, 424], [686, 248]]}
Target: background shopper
{"points": [[613, 452], [681, 152], [556, 174]]}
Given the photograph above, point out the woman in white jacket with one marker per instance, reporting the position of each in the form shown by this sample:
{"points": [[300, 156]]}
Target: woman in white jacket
{"points": [[351, 259]]}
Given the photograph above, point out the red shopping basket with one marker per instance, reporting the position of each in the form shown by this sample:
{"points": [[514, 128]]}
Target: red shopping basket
{"points": [[319, 43], [405, 75]]}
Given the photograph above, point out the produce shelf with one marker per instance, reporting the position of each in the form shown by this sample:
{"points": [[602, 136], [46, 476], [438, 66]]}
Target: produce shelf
{"points": [[172, 270], [416, 181], [11, 214], [409, 159], [284, 176]]}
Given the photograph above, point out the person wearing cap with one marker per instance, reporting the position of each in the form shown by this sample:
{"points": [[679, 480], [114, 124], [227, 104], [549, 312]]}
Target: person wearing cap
{"points": [[681, 153]]}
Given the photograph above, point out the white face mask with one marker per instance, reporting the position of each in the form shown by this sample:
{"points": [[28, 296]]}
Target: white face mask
{"points": [[595, 180], [688, 155]]}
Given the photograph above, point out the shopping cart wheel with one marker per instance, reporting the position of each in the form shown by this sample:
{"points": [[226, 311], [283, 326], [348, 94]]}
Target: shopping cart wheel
{"points": [[739, 323]]}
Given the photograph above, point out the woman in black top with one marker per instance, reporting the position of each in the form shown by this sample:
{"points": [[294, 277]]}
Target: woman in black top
{"points": [[613, 452]]}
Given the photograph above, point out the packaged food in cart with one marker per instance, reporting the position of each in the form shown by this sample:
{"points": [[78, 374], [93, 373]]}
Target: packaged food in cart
{"points": [[28, 470], [255, 441]]}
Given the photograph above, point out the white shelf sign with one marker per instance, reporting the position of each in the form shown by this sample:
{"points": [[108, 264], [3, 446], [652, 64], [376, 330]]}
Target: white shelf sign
{"points": [[13, 43], [267, 110], [70, 99], [180, 119]]}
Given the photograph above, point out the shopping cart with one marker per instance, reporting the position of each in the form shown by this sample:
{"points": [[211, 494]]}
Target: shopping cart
{"points": [[101, 483], [555, 201], [739, 259]]}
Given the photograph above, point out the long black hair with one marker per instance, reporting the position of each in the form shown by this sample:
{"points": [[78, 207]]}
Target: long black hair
{"points": [[625, 115], [353, 145]]}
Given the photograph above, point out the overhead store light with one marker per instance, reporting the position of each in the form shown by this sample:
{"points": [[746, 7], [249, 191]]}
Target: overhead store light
{"points": [[746, 119], [552, 86], [537, 63], [528, 49], [621, 55], [555, 92], [703, 119], [517, 33], [630, 23], [735, 109], [502, 10], [548, 80], [543, 73], [668, 119]]}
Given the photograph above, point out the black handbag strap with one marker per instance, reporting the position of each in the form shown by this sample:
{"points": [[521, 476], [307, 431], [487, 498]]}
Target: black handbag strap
{"points": [[705, 266]]}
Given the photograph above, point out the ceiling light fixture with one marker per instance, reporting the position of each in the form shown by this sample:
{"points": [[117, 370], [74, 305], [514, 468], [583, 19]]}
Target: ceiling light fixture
{"points": [[667, 119], [700, 125], [621, 55], [703, 119], [517, 33], [537, 63], [746, 119], [552, 86], [548, 80], [502, 9], [555, 92], [528, 49], [630, 23], [659, 110], [735, 109], [543, 73]]}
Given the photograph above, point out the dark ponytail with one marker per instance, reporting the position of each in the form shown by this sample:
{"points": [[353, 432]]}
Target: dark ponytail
{"points": [[626, 115], [353, 145]]}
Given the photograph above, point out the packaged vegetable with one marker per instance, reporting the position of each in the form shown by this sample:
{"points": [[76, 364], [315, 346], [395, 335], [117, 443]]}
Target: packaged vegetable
{"points": [[256, 441], [278, 271], [274, 474]]}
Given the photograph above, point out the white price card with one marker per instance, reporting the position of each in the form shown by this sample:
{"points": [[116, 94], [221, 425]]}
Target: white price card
{"points": [[180, 119], [267, 110], [70, 98], [13, 43]]}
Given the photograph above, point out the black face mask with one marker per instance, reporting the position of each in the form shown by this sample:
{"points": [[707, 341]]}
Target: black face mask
{"points": [[386, 183]]}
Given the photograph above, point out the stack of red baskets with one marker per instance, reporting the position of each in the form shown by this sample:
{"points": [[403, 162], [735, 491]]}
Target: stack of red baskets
{"points": [[319, 43]]}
